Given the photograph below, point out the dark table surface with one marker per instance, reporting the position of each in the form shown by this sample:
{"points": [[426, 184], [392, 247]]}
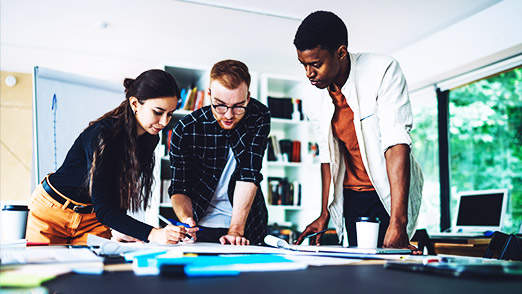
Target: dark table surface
{"points": [[320, 280]]}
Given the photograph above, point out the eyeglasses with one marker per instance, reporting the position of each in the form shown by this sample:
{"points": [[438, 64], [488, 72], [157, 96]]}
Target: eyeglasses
{"points": [[222, 109]]}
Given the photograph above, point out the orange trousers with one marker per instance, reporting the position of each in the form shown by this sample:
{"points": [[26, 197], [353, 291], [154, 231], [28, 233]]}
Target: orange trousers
{"points": [[51, 222]]}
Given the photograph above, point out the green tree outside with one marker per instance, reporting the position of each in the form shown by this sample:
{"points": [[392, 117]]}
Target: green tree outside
{"points": [[485, 133]]}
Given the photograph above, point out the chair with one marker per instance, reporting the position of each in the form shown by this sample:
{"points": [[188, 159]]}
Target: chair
{"points": [[505, 247], [512, 249], [495, 245], [423, 239]]}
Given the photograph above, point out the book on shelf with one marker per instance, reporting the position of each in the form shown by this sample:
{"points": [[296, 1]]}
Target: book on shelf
{"points": [[286, 108], [284, 150], [283, 192], [296, 151], [192, 99]]}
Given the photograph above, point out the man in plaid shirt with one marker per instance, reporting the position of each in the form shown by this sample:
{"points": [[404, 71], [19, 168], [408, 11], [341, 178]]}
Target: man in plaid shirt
{"points": [[216, 157]]}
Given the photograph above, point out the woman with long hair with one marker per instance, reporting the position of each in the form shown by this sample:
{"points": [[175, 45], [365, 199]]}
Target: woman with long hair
{"points": [[109, 171]]}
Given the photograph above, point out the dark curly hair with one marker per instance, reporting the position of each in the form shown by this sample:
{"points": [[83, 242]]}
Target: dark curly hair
{"points": [[136, 157], [321, 29]]}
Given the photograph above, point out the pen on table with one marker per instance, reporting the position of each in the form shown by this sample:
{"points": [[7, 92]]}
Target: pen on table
{"points": [[315, 234], [168, 222]]}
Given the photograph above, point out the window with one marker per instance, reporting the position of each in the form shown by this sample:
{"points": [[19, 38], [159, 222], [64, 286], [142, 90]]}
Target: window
{"points": [[485, 139]]}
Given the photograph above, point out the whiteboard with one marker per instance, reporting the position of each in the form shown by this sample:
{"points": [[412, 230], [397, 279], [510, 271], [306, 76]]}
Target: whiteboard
{"points": [[77, 101]]}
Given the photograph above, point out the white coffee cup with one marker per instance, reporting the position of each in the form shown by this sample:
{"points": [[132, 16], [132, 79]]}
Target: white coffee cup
{"points": [[367, 231], [13, 222]]}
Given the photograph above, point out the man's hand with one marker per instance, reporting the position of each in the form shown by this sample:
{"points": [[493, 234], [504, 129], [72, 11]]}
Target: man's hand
{"points": [[396, 237], [233, 238], [316, 226], [192, 230]]}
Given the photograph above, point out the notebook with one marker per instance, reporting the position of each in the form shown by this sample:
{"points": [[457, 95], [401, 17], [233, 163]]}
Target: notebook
{"points": [[477, 213]]}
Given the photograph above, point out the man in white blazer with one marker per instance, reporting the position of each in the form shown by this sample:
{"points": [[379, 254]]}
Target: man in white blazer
{"points": [[361, 117]]}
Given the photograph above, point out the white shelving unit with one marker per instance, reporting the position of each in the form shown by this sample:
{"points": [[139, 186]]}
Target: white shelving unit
{"points": [[306, 172], [187, 78]]}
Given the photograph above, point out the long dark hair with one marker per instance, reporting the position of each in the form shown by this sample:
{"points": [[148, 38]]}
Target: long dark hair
{"points": [[136, 157]]}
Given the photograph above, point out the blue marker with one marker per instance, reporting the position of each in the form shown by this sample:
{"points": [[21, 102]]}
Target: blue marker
{"points": [[176, 223], [169, 222]]}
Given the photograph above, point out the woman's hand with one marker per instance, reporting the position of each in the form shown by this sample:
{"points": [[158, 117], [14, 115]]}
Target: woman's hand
{"points": [[120, 237], [167, 235]]}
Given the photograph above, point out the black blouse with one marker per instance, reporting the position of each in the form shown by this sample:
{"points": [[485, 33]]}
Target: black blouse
{"points": [[72, 180]]}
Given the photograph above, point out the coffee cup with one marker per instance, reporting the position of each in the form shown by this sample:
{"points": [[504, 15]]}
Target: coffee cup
{"points": [[13, 222], [367, 231]]}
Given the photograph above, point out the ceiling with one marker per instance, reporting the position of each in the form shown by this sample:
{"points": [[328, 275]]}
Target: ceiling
{"points": [[113, 38]]}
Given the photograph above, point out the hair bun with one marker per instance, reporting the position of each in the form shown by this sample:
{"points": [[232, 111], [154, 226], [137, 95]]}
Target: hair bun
{"points": [[127, 83]]}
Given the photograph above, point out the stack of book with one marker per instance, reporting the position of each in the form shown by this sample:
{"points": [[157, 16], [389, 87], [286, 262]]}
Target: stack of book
{"points": [[192, 99], [283, 192], [287, 108], [283, 150]]}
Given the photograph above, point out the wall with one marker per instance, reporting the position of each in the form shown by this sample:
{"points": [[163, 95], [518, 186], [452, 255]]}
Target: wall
{"points": [[484, 38], [15, 137]]}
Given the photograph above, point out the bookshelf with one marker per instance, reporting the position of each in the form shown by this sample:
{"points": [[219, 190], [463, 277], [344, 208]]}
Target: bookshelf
{"points": [[281, 93], [187, 78], [305, 171]]}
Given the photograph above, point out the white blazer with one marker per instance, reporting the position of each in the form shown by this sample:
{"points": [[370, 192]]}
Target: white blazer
{"points": [[377, 93]]}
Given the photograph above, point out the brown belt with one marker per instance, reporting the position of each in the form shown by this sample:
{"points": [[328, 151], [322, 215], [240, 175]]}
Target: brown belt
{"points": [[83, 209]]}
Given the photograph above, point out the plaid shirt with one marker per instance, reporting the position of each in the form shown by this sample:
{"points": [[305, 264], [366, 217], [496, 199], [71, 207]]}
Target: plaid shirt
{"points": [[198, 154]]}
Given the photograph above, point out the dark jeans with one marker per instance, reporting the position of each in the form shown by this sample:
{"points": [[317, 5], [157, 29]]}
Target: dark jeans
{"points": [[358, 204], [210, 234]]}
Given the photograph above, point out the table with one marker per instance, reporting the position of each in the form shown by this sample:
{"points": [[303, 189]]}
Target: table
{"points": [[461, 246], [321, 280]]}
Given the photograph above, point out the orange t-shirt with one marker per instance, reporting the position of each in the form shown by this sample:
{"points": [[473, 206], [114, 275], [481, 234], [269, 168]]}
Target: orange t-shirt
{"points": [[343, 129]]}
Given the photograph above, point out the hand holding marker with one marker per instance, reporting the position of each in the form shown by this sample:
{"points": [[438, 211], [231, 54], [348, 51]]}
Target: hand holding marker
{"points": [[315, 234], [169, 222]]}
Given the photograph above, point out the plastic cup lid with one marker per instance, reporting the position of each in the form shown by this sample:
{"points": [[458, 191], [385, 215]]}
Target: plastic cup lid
{"points": [[15, 207], [368, 219]]}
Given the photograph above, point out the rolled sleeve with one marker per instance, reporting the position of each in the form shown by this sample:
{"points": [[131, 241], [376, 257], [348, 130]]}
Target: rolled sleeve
{"points": [[394, 109]]}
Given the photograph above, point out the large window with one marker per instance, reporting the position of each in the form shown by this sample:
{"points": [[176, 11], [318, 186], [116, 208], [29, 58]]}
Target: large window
{"points": [[485, 139]]}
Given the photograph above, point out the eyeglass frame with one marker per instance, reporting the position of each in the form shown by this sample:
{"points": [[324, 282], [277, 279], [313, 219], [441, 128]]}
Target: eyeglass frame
{"points": [[234, 108]]}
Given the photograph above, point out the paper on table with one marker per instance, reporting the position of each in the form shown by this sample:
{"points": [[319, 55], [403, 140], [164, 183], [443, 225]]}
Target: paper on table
{"points": [[108, 247], [277, 242], [337, 251], [216, 248], [321, 260], [13, 243]]}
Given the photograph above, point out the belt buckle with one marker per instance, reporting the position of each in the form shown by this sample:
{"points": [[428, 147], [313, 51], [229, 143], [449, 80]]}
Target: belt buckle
{"points": [[77, 208]]}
